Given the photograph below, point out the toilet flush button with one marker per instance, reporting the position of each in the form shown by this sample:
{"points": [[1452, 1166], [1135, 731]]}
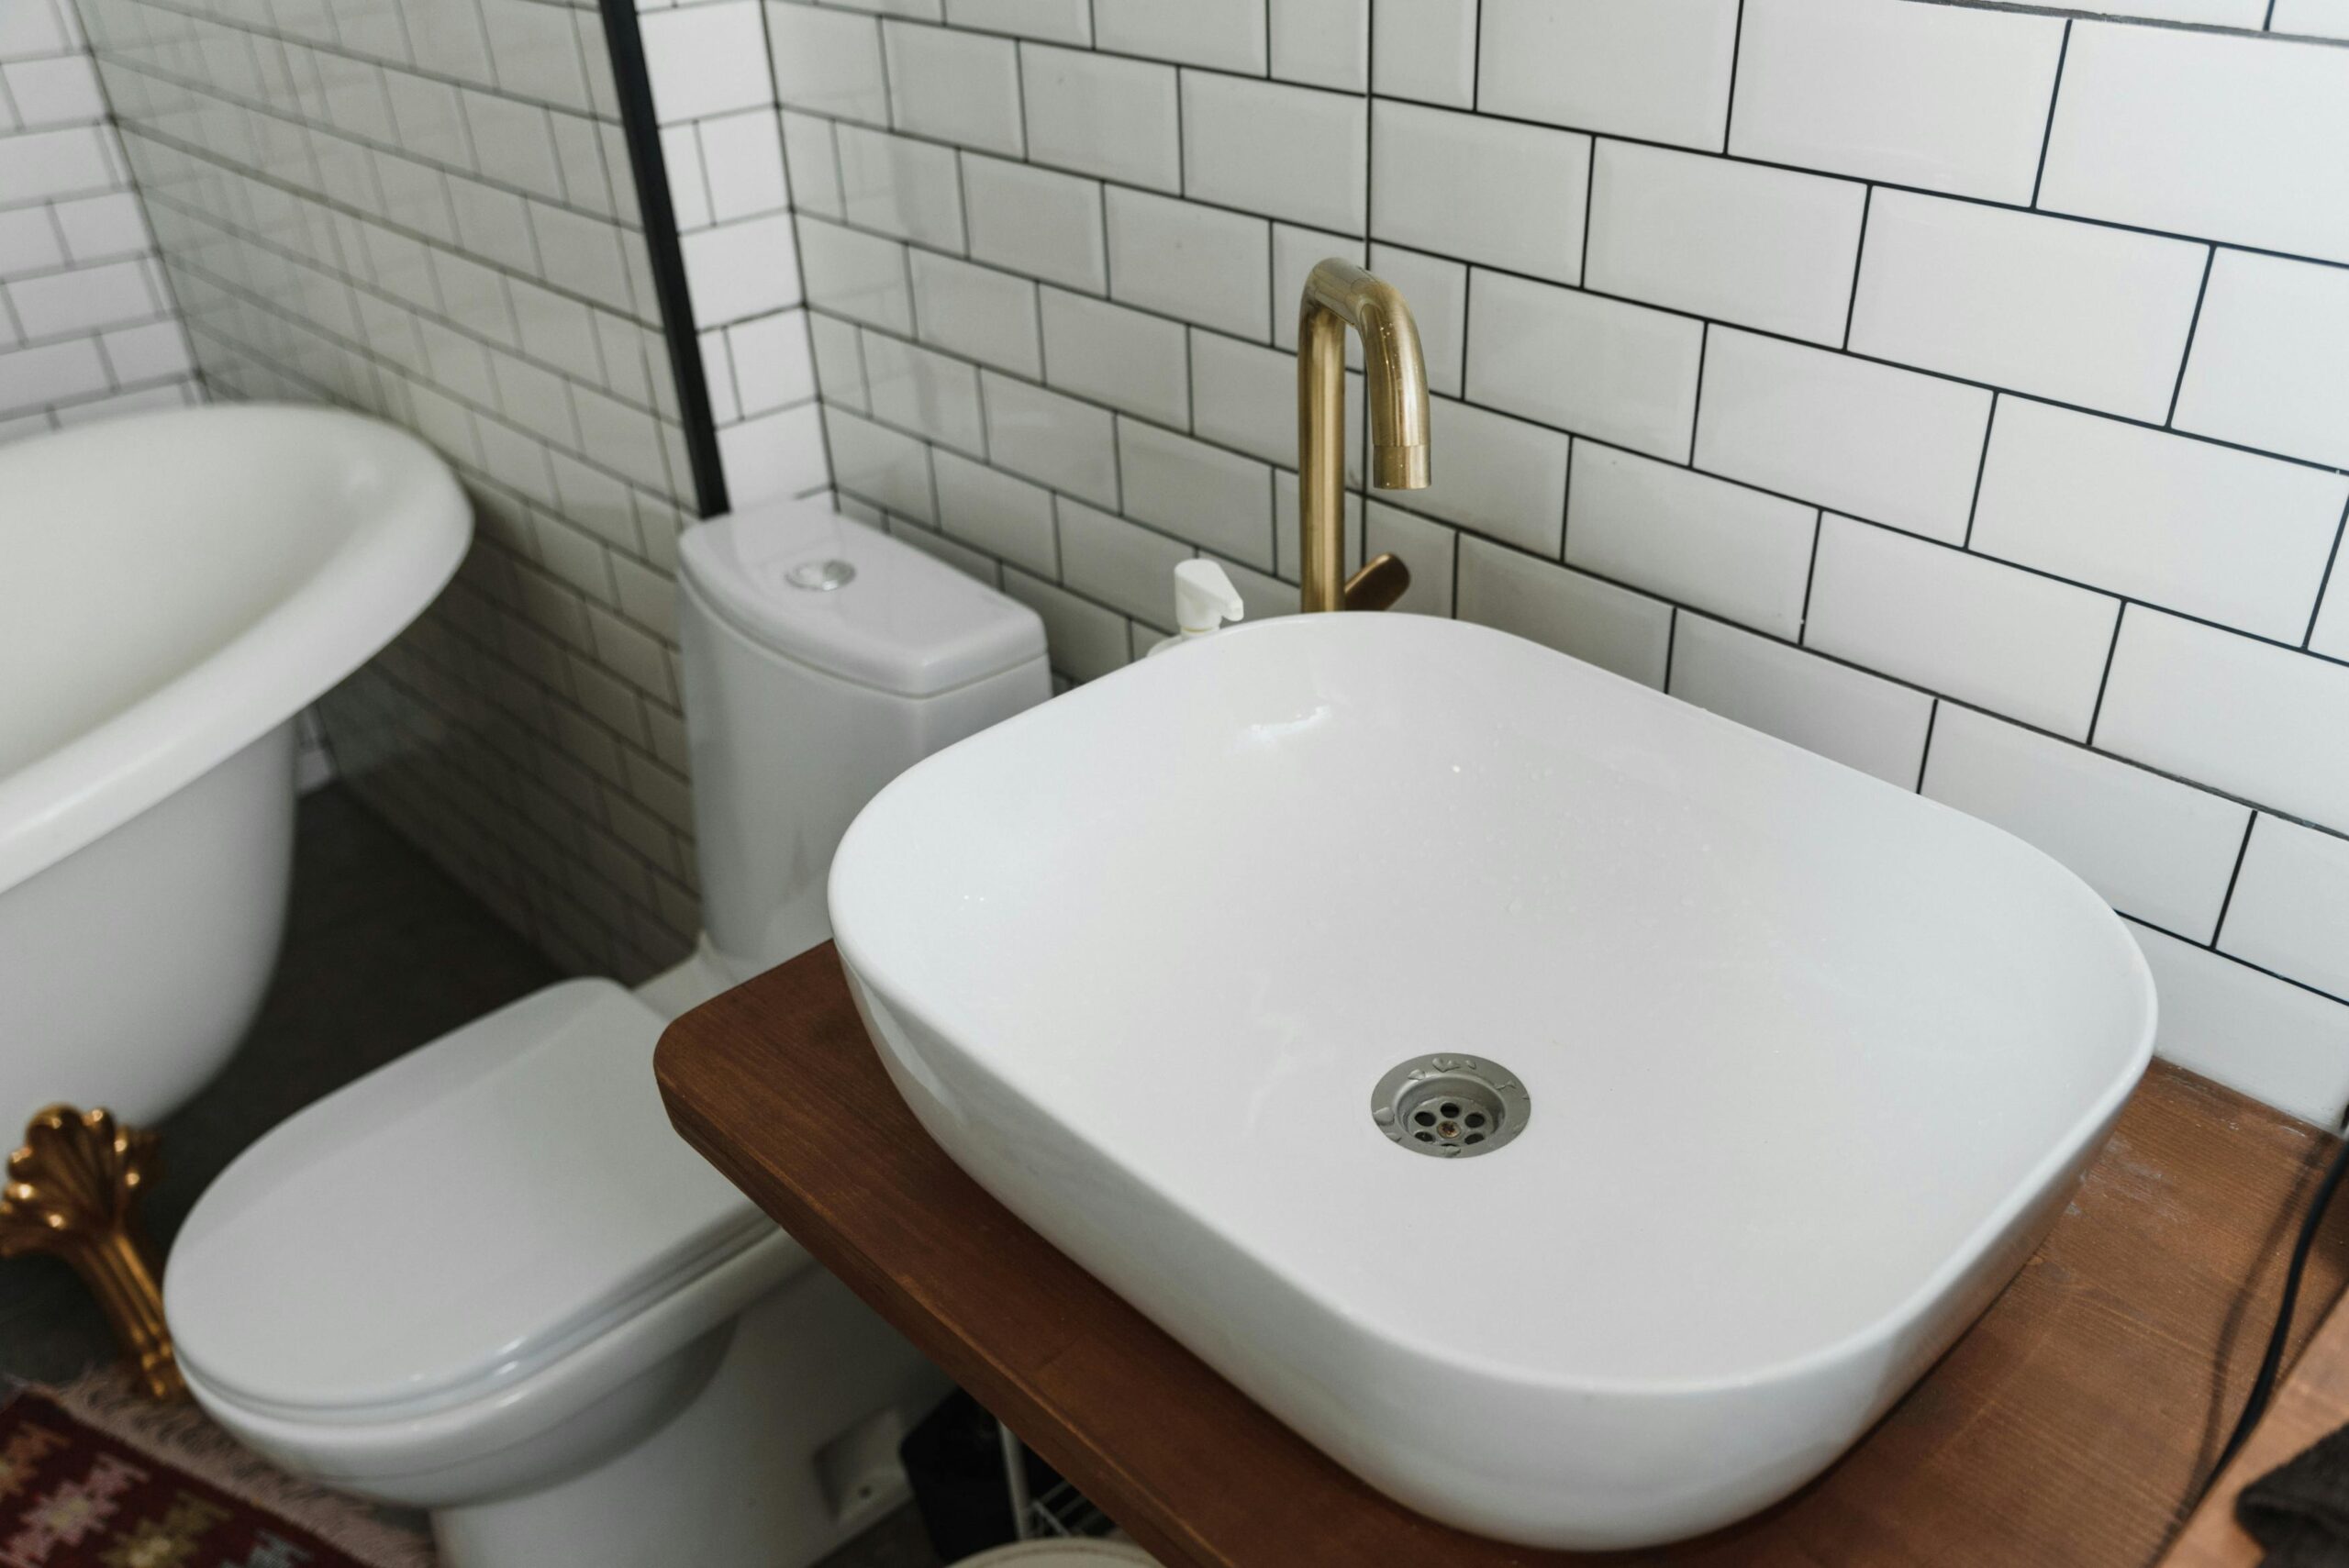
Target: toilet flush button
{"points": [[822, 577]]}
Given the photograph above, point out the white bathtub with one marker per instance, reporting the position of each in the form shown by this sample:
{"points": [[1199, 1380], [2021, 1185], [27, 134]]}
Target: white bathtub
{"points": [[174, 590]]}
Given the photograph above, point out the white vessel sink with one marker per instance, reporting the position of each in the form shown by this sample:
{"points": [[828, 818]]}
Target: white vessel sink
{"points": [[1808, 1062]]}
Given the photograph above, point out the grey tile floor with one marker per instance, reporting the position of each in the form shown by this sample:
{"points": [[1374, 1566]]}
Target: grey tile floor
{"points": [[382, 954]]}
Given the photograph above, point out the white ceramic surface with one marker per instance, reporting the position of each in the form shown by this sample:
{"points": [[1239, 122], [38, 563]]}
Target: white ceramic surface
{"points": [[595, 1352], [2032, 646], [1930, 95], [2082, 313], [1812, 1061], [1767, 248], [2161, 128], [2268, 348], [801, 703], [2228, 536], [1638, 68], [178, 587], [538, 1109], [1455, 184], [488, 1279]]}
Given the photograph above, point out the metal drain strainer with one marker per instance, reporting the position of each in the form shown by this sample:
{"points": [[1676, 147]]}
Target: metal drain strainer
{"points": [[1451, 1106]]}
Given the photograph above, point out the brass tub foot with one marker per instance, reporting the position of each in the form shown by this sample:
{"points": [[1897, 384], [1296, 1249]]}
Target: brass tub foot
{"points": [[71, 1191]]}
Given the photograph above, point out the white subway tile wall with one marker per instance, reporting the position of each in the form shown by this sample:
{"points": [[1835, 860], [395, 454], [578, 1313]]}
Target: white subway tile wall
{"points": [[1957, 392], [425, 210], [88, 326]]}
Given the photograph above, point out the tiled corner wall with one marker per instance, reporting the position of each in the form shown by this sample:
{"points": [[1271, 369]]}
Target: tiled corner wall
{"points": [[86, 323], [425, 210], [721, 142], [1960, 393]]}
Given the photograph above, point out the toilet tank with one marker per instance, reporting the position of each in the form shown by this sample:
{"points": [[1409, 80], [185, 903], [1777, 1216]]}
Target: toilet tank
{"points": [[821, 659]]}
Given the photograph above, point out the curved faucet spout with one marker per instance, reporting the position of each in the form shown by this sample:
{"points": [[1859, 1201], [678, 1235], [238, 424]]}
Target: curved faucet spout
{"points": [[1339, 294]]}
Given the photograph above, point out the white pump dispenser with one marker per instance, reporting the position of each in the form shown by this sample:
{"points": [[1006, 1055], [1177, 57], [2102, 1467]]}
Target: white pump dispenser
{"points": [[1204, 600]]}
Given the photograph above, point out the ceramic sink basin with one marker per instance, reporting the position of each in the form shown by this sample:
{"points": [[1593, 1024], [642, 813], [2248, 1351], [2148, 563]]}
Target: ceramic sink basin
{"points": [[1796, 1066]]}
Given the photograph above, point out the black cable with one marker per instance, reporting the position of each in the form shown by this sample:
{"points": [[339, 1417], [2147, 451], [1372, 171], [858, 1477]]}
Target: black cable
{"points": [[2262, 1387]]}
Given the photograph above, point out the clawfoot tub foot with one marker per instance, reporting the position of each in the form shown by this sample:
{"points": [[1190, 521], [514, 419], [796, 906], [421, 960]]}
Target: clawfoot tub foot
{"points": [[73, 1191]]}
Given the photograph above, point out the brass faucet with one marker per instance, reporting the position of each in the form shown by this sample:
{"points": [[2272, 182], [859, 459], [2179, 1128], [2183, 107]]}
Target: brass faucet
{"points": [[1339, 295]]}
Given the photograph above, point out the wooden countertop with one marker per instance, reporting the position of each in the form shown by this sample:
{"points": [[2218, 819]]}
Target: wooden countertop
{"points": [[2066, 1427], [2312, 1400]]}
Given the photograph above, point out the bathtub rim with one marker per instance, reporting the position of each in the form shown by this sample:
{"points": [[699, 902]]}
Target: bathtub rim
{"points": [[382, 574]]}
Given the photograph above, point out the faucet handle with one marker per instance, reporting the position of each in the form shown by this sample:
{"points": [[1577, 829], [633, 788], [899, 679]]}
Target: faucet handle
{"points": [[1377, 585]]}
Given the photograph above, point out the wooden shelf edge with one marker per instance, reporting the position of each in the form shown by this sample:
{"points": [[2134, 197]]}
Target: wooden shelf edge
{"points": [[2065, 1425]]}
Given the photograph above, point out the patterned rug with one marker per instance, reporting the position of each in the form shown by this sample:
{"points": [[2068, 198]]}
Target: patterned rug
{"points": [[75, 1496]]}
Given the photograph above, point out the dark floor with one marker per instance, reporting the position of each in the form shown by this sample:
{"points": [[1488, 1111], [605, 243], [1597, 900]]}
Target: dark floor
{"points": [[896, 1542], [382, 954]]}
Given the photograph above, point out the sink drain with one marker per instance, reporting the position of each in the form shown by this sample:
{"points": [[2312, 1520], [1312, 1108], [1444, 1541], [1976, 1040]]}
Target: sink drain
{"points": [[1451, 1106]]}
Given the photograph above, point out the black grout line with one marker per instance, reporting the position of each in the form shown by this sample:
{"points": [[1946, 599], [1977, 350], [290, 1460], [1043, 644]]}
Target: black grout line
{"points": [[1475, 60], [1809, 576], [1636, 587], [1182, 137], [1925, 752], [1369, 135], [1957, 548], [1736, 55], [289, 42], [2054, 97], [1771, 334], [1674, 146], [2235, 880], [1037, 310], [332, 131], [2104, 681], [1859, 256], [1696, 396], [1589, 209], [962, 212], [1981, 467], [2090, 11], [1271, 288], [1117, 466], [1565, 502], [431, 243], [2193, 324], [1461, 532], [2212, 948], [2324, 584], [404, 373], [799, 262], [2018, 7], [1503, 118], [1273, 526]]}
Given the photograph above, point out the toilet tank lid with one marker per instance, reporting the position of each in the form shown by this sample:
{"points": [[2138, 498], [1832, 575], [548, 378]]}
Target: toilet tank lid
{"points": [[848, 599]]}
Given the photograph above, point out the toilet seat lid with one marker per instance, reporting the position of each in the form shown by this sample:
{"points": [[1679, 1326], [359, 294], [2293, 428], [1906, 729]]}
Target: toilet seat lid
{"points": [[454, 1221]]}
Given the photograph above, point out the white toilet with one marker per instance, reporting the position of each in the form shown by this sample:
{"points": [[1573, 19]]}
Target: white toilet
{"points": [[488, 1279]]}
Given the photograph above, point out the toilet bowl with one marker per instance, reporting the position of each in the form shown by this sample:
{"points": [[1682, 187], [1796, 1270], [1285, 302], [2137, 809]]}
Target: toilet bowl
{"points": [[488, 1279]]}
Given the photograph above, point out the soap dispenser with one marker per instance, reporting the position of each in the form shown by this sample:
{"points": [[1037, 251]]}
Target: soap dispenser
{"points": [[1204, 600]]}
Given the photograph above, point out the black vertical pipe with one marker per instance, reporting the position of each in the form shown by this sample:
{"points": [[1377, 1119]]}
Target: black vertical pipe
{"points": [[659, 214]]}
